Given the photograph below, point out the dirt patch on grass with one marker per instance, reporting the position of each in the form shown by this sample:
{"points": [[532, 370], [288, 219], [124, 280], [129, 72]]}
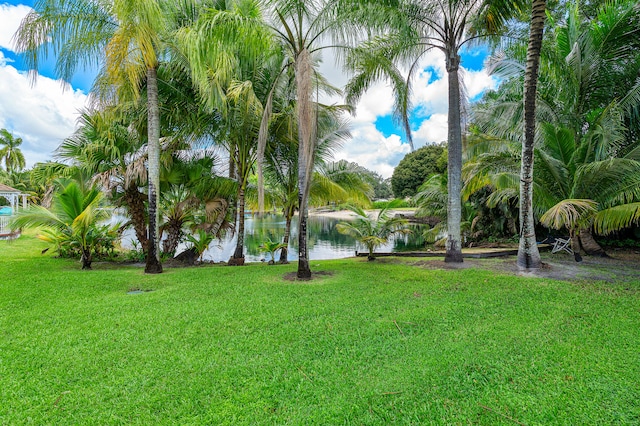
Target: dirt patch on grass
{"points": [[623, 265], [315, 275]]}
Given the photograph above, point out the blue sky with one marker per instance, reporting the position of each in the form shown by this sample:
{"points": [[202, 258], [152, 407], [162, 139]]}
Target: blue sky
{"points": [[44, 114]]}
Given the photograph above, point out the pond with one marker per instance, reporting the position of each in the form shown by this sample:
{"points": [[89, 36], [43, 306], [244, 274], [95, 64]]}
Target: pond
{"points": [[325, 242]]}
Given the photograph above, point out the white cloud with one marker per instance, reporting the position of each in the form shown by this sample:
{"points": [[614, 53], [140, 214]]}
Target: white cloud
{"points": [[10, 18], [432, 130], [42, 114]]}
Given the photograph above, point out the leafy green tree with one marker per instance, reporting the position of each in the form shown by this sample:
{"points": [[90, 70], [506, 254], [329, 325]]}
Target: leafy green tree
{"points": [[10, 153], [416, 167], [73, 221], [373, 230]]}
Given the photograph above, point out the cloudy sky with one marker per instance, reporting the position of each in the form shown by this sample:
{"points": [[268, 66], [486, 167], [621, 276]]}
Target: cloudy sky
{"points": [[44, 113]]}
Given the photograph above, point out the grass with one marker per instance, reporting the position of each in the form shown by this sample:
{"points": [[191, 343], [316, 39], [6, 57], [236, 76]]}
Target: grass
{"points": [[369, 343]]}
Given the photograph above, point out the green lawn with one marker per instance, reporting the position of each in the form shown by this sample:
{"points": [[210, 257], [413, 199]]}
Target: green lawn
{"points": [[370, 343]]}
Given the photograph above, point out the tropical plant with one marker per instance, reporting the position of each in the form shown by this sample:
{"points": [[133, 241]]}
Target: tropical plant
{"points": [[528, 254], [584, 146], [303, 29], [200, 242], [331, 182], [272, 247], [73, 222], [10, 153], [374, 230]]}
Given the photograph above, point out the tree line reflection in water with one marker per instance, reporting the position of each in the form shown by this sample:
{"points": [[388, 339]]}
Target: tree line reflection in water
{"points": [[325, 242]]}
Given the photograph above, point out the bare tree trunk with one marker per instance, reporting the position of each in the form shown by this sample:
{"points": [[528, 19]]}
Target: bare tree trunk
{"points": [[284, 252], [174, 235], [239, 252], [591, 246], [454, 169], [528, 254]]}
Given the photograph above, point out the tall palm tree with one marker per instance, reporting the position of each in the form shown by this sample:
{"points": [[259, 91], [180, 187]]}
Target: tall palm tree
{"points": [[10, 153], [528, 254], [303, 29], [331, 181], [127, 37], [587, 94], [417, 28]]}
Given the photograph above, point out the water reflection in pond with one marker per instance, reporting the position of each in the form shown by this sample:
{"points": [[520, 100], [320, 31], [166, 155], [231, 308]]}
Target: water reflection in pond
{"points": [[325, 242]]}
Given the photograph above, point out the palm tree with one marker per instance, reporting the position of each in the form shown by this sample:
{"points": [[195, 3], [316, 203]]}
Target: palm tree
{"points": [[108, 145], [331, 182], [72, 221], [10, 153], [584, 146], [128, 37], [528, 254], [303, 29], [374, 230], [419, 27]]}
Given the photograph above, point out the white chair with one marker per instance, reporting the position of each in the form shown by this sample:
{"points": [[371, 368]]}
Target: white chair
{"points": [[562, 244]]}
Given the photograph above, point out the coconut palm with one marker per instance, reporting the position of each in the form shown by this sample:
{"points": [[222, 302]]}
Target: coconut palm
{"points": [[73, 220], [375, 229], [272, 247], [586, 96], [528, 254], [10, 153]]}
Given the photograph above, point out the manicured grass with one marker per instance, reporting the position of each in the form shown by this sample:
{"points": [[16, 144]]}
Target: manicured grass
{"points": [[370, 343]]}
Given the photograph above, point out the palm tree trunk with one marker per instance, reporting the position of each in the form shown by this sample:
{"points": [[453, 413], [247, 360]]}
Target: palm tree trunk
{"points": [[85, 258], [239, 252], [135, 206], [575, 245], [284, 252], [153, 265], [306, 145], [174, 235], [454, 208], [591, 246], [528, 254]]}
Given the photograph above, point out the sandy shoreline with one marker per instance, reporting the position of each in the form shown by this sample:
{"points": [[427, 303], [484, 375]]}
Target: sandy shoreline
{"points": [[348, 214]]}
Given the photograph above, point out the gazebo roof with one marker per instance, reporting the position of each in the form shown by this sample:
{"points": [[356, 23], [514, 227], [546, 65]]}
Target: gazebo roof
{"points": [[4, 188]]}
